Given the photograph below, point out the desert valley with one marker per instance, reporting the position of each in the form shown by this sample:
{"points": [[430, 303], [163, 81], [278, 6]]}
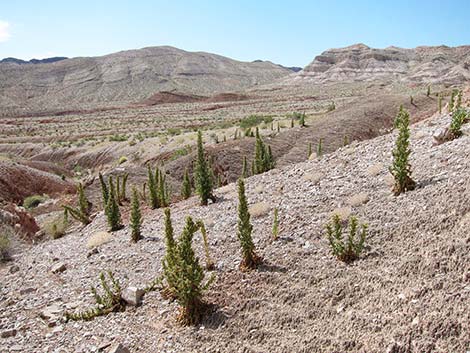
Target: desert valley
{"points": [[329, 204]]}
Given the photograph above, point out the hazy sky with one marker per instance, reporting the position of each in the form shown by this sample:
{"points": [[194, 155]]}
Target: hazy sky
{"points": [[286, 32]]}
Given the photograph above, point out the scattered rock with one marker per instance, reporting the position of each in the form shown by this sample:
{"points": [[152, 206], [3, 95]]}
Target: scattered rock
{"points": [[133, 296], [8, 333], [14, 269], [27, 290], [59, 267], [118, 348]]}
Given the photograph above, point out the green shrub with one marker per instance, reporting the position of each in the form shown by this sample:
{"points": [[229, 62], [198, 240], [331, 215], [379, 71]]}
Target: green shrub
{"points": [[459, 117], [254, 120], [34, 201], [401, 169], [173, 131], [250, 259], [349, 249], [183, 273], [118, 138]]}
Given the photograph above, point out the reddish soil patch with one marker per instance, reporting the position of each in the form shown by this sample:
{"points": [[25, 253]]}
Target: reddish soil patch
{"points": [[19, 181]]}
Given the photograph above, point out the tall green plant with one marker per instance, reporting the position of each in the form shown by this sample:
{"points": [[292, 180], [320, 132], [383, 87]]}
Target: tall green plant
{"points": [[136, 217], [401, 169], [203, 176], [186, 186], [250, 259]]}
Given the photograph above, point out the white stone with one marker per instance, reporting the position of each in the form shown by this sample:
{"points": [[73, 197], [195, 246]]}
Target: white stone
{"points": [[133, 296]]}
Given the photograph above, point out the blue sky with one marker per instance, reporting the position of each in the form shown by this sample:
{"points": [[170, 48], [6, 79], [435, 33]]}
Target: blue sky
{"points": [[285, 32]]}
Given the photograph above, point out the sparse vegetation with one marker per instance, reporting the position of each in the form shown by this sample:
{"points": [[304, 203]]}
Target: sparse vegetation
{"points": [[109, 301], [254, 120], [401, 169], [34, 201], [349, 249], [250, 260]]}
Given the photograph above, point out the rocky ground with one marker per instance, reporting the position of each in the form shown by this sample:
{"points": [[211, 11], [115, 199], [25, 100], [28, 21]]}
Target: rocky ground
{"points": [[409, 292]]}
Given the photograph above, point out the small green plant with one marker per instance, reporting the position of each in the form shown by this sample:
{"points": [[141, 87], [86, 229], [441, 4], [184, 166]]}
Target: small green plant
{"points": [[82, 212], [169, 261], [320, 148], [309, 150], [349, 249], [122, 159], [459, 99], [276, 224], [33, 201], [331, 107], [412, 100], [439, 103], [108, 302], [186, 189], [291, 123], [345, 140], [400, 168], [428, 92], [203, 174], [250, 260], [136, 217], [459, 117]]}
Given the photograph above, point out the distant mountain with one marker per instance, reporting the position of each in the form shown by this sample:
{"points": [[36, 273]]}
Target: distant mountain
{"points": [[291, 68], [440, 64], [125, 77], [33, 61]]}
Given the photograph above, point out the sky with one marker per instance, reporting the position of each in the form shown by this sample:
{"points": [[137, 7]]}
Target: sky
{"points": [[290, 33]]}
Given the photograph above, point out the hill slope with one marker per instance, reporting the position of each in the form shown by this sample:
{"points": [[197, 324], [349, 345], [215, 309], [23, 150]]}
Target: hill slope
{"points": [[359, 62], [126, 77], [408, 293]]}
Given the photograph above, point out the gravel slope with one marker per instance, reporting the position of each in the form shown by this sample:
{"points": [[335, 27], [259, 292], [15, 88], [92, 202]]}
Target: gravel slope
{"points": [[409, 292]]}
